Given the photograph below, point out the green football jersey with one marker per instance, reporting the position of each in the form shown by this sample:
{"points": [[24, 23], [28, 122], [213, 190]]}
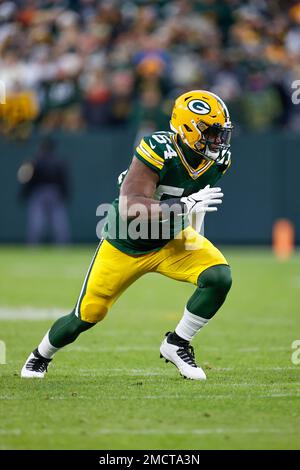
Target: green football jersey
{"points": [[169, 158]]}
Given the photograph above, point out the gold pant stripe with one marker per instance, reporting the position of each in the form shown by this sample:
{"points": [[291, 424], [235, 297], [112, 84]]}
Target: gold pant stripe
{"points": [[83, 289]]}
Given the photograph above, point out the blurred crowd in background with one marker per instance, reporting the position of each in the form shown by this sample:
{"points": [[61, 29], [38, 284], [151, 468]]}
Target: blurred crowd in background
{"points": [[91, 64]]}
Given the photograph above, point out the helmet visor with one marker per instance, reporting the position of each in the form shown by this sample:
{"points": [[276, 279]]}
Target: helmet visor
{"points": [[216, 137]]}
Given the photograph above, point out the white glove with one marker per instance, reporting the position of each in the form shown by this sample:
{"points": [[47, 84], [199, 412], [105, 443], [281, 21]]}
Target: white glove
{"points": [[204, 200]]}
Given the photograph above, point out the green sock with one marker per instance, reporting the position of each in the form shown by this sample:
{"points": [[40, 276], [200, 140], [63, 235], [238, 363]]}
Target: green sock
{"points": [[66, 329]]}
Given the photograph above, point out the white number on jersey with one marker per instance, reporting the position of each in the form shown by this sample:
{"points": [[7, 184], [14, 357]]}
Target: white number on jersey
{"points": [[168, 190], [161, 139], [170, 152]]}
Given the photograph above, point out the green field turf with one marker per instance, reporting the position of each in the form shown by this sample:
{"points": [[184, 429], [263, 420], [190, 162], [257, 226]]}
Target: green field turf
{"points": [[110, 390]]}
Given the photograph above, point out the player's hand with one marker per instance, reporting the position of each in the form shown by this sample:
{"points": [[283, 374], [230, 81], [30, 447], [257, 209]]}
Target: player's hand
{"points": [[205, 200]]}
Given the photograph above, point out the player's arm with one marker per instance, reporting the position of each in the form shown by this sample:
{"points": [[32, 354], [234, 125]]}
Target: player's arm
{"points": [[137, 196], [138, 190]]}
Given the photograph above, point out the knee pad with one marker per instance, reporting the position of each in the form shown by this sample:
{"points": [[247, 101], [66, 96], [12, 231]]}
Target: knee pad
{"points": [[93, 310], [217, 277]]}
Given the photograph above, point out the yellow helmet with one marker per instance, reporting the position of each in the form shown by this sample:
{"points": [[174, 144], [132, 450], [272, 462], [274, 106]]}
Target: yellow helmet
{"points": [[202, 120]]}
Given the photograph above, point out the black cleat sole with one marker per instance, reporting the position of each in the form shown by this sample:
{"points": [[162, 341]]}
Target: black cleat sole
{"points": [[162, 357]]}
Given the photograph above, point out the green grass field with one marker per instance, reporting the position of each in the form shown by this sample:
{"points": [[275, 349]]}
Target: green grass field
{"points": [[110, 390]]}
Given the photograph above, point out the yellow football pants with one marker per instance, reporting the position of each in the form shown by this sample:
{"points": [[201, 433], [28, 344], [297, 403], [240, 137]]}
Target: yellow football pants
{"points": [[112, 270]]}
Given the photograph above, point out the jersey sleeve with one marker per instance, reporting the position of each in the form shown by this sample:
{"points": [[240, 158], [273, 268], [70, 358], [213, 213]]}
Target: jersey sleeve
{"points": [[148, 151]]}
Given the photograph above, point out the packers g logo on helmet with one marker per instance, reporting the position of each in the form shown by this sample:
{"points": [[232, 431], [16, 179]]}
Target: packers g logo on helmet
{"points": [[199, 107], [202, 120]]}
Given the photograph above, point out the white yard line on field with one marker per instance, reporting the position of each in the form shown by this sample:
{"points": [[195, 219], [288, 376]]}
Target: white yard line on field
{"points": [[187, 431], [10, 432], [280, 395], [30, 313]]}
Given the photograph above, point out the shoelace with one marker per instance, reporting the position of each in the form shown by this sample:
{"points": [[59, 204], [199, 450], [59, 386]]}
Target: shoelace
{"points": [[187, 354], [37, 364]]}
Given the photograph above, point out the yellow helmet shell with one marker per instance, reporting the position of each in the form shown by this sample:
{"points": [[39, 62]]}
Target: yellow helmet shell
{"points": [[196, 110]]}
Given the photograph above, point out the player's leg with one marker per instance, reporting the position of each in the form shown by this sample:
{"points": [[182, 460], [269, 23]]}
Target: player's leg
{"points": [[213, 286], [110, 273], [199, 262]]}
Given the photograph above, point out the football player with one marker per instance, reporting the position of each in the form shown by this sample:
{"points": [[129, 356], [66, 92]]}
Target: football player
{"points": [[169, 170]]}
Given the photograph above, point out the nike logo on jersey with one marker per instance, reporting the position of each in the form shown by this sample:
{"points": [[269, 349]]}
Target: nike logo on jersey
{"points": [[151, 145]]}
